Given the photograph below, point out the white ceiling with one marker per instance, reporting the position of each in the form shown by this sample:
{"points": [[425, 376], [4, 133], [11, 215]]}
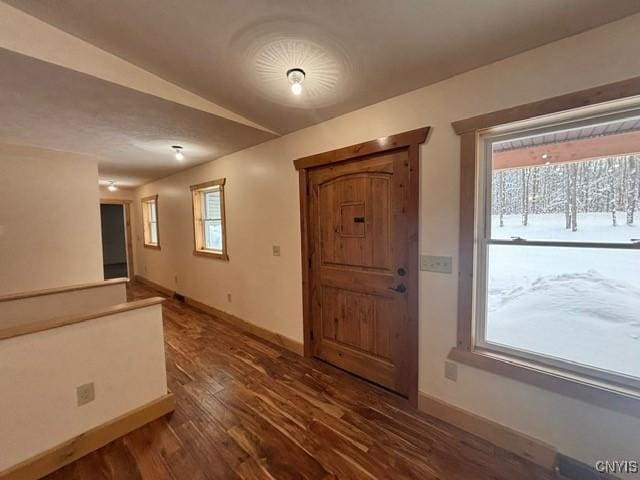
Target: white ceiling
{"points": [[130, 132], [378, 48], [235, 53]]}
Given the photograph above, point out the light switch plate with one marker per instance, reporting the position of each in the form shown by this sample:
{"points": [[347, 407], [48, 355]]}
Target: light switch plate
{"points": [[276, 250], [431, 263], [85, 393]]}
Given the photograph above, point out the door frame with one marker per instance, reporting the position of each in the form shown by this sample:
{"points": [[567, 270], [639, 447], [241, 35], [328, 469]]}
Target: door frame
{"points": [[126, 207], [409, 141]]}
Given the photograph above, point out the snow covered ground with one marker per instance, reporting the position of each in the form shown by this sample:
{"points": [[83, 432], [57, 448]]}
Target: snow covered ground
{"points": [[579, 304]]}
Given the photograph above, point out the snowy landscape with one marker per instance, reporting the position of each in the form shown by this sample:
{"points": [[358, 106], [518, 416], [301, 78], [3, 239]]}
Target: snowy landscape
{"points": [[576, 304]]}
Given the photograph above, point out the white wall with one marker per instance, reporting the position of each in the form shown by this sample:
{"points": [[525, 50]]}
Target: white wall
{"points": [[262, 210], [122, 354], [28, 310], [49, 219]]}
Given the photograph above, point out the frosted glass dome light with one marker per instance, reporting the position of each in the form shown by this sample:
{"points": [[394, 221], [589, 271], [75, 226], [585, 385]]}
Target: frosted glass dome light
{"points": [[178, 149], [296, 77]]}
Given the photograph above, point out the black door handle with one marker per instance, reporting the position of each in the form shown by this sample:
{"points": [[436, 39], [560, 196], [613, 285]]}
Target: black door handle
{"points": [[400, 288]]}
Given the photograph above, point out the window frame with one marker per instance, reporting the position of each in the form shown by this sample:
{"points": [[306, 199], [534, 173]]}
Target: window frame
{"points": [[198, 230], [146, 230], [611, 392], [483, 231]]}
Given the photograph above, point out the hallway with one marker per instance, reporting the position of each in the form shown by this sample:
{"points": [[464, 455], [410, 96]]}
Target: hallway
{"points": [[249, 409]]}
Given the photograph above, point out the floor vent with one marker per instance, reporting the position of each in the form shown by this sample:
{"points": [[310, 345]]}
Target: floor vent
{"points": [[178, 296], [575, 470]]}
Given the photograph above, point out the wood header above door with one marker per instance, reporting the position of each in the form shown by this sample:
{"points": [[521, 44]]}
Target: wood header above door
{"points": [[382, 144]]}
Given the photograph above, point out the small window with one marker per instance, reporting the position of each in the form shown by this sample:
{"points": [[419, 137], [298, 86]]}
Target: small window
{"points": [[208, 219], [150, 222], [558, 246]]}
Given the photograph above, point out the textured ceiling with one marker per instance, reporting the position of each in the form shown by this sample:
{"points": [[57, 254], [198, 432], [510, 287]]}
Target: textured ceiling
{"points": [[130, 132], [235, 53]]}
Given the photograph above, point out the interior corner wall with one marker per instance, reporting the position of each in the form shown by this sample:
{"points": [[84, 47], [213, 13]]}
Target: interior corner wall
{"points": [[49, 219], [262, 209]]}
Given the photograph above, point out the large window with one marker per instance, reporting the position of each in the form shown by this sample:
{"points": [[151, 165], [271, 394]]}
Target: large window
{"points": [[208, 219], [558, 246], [150, 222]]}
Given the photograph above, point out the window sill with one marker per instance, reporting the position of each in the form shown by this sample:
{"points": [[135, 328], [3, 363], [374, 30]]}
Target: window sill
{"points": [[621, 399], [152, 247], [207, 253]]}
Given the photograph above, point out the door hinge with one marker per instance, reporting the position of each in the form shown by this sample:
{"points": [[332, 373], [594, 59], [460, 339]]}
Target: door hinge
{"points": [[309, 263], [311, 334]]}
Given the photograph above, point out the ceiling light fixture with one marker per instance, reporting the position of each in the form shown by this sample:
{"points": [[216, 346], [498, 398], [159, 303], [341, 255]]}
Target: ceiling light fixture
{"points": [[296, 77], [545, 156], [178, 150], [112, 186]]}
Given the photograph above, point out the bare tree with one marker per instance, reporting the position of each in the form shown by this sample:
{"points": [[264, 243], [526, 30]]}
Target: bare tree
{"points": [[631, 186], [535, 188], [612, 189], [573, 195], [567, 195], [501, 196], [526, 172]]}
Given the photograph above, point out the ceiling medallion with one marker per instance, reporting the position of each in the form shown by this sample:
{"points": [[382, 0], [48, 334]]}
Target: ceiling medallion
{"points": [[316, 69]]}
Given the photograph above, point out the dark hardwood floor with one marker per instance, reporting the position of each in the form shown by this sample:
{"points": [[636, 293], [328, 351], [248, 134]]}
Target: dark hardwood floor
{"points": [[249, 409]]}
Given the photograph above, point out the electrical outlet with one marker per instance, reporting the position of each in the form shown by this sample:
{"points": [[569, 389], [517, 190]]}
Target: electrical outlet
{"points": [[430, 263], [276, 250], [229, 297], [451, 371], [85, 393]]}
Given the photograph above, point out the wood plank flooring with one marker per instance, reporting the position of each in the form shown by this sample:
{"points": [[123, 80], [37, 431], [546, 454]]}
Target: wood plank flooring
{"points": [[249, 409]]}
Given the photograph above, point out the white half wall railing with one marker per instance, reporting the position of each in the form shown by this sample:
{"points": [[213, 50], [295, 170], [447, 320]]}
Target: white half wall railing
{"points": [[117, 350], [39, 305]]}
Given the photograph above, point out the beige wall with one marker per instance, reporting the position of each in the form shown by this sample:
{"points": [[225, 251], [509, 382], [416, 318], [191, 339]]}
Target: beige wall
{"points": [[262, 210], [120, 194], [61, 304], [122, 354], [49, 219]]}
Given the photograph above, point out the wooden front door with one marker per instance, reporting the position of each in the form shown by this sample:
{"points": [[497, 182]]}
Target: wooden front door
{"points": [[362, 248]]}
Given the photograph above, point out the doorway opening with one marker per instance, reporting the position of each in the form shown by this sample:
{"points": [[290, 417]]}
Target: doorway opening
{"points": [[116, 240]]}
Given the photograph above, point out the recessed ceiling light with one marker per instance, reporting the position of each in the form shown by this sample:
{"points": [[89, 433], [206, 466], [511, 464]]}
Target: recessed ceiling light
{"points": [[545, 156], [112, 186], [296, 77], [178, 150]]}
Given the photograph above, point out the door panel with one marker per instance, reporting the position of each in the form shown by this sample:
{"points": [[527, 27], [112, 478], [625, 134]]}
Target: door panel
{"points": [[357, 320], [354, 223], [358, 246]]}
